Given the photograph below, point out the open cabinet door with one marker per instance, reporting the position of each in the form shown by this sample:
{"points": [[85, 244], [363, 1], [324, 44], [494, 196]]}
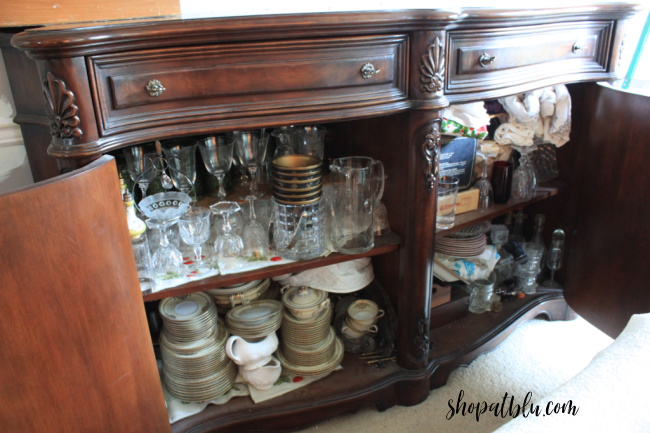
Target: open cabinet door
{"points": [[75, 349], [607, 277]]}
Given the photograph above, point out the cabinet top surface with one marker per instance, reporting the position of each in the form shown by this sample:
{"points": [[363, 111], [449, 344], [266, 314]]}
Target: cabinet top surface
{"points": [[358, 12]]}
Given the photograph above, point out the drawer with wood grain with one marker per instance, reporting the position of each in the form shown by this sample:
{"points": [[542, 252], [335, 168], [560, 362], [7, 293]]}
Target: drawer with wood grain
{"points": [[164, 87], [492, 59]]}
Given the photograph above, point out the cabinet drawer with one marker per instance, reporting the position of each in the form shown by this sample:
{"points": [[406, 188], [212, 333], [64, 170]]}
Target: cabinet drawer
{"points": [[496, 58], [220, 82]]}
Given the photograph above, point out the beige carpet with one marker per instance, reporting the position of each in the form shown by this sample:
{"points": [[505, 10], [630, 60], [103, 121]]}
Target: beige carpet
{"points": [[538, 357]]}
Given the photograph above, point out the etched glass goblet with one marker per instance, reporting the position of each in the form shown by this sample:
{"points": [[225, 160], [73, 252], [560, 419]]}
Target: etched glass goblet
{"points": [[194, 228], [228, 243]]}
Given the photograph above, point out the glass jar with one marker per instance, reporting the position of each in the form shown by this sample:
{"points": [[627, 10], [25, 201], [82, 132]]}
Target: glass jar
{"points": [[482, 294]]}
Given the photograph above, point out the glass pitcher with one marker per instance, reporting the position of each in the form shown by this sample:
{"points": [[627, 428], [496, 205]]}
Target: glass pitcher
{"points": [[356, 182]]}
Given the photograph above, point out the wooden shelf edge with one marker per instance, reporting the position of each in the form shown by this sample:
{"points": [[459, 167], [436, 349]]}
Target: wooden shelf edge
{"points": [[357, 385], [474, 217], [383, 244]]}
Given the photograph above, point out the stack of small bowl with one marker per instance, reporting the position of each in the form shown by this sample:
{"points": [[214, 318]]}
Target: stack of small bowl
{"points": [[230, 297], [309, 344], [297, 179], [192, 345]]}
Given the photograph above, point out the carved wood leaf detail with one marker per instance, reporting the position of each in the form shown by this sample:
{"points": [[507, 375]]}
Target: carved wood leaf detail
{"points": [[421, 347], [61, 108], [432, 68], [430, 149]]}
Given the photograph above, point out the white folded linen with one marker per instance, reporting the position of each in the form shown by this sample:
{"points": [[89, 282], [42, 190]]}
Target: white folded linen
{"points": [[546, 112]]}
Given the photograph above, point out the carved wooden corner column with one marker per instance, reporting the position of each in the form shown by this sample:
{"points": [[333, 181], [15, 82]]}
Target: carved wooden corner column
{"points": [[69, 106], [416, 268]]}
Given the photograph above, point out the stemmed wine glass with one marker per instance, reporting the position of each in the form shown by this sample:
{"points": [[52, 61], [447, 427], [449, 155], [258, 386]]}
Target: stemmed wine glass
{"points": [[181, 160], [194, 228], [484, 186], [167, 260], [217, 153], [228, 243], [250, 146], [256, 238], [554, 258], [140, 166]]}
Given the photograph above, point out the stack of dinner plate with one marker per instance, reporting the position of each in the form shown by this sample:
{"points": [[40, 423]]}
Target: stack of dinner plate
{"points": [[192, 345], [256, 319], [309, 347], [461, 247]]}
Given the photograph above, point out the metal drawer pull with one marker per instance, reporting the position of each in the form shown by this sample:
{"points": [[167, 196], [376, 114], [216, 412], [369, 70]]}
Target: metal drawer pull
{"points": [[576, 48], [368, 70], [155, 88], [486, 60]]}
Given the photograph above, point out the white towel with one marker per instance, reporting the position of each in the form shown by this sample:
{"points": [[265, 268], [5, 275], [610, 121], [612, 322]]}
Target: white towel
{"points": [[546, 113]]}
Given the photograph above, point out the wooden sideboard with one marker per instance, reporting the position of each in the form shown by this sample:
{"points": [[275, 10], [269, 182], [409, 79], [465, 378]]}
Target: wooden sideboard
{"points": [[378, 80]]}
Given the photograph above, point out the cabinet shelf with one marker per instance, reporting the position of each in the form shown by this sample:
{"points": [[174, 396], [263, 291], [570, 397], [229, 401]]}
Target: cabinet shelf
{"points": [[383, 244], [356, 380], [468, 219]]}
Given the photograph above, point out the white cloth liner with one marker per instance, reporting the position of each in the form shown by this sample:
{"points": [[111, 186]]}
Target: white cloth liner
{"points": [[178, 410]]}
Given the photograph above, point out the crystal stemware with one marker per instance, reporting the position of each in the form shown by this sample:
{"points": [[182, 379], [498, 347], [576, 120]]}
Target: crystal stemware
{"points": [[256, 237], [167, 260], [163, 210], [524, 182], [217, 153], [484, 186], [140, 166], [285, 138], [554, 258], [181, 160], [194, 228], [250, 146], [228, 243]]}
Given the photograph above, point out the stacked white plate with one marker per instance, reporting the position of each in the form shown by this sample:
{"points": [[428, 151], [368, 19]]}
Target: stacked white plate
{"points": [[309, 347], [192, 345], [299, 332], [461, 247], [313, 370], [256, 319]]}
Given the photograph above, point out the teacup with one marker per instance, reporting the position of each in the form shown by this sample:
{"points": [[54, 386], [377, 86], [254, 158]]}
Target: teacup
{"points": [[356, 326], [249, 354], [262, 377], [364, 312]]}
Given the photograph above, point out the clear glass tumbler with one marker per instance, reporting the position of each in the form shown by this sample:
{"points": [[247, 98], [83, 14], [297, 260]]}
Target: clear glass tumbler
{"points": [[447, 195]]}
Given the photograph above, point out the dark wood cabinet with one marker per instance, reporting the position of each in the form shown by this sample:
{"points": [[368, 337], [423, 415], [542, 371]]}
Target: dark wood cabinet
{"points": [[379, 81]]}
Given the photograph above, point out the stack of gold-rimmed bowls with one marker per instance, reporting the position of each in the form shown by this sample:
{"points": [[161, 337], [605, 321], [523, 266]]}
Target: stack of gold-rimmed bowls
{"points": [[256, 319], [309, 344], [297, 179], [227, 298], [192, 345]]}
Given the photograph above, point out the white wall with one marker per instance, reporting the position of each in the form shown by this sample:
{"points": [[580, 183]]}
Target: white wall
{"points": [[14, 167]]}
